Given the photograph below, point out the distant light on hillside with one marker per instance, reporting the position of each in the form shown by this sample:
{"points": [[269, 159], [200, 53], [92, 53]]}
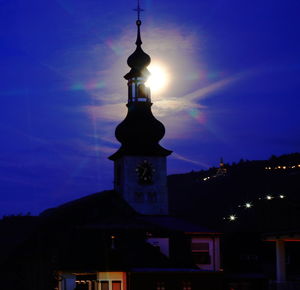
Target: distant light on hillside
{"points": [[232, 217]]}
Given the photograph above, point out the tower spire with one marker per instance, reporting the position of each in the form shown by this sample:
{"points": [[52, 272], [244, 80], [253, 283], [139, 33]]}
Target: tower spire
{"points": [[138, 10], [138, 23], [138, 60], [138, 38]]}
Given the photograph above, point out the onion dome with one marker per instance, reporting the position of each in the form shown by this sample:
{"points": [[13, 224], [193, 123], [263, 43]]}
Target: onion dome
{"points": [[138, 60], [140, 133], [147, 130]]}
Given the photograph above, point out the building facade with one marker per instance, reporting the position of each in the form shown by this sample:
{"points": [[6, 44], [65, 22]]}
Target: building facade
{"points": [[183, 255]]}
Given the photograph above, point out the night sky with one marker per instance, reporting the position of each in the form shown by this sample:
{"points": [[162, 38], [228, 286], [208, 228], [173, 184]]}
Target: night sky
{"points": [[234, 69]]}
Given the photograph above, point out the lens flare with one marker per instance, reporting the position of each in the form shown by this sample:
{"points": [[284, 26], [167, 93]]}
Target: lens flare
{"points": [[198, 115], [159, 78]]}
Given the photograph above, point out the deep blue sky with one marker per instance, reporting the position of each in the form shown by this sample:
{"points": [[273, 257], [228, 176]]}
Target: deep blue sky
{"points": [[234, 90]]}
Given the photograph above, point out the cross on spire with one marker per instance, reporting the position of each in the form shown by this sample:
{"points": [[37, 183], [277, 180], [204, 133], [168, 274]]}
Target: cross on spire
{"points": [[138, 10]]}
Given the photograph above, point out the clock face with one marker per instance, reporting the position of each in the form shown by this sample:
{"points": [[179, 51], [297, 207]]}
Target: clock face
{"points": [[145, 172]]}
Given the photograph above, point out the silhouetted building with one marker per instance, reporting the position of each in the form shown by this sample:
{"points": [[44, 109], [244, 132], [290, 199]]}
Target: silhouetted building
{"points": [[123, 239], [144, 247], [222, 170]]}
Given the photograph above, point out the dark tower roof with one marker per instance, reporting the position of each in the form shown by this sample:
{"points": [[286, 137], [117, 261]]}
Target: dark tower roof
{"points": [[138, 60], [140, 132]]}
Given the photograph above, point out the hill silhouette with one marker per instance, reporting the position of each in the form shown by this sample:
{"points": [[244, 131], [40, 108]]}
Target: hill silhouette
{"points": [[270, 187]]}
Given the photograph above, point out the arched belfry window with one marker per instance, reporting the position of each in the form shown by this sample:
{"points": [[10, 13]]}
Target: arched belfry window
{"points": [[129, 92], [142, 93]]}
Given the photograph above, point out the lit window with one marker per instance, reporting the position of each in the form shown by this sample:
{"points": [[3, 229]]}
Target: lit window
{"points": [[104, 285], [85, 282], [116, 285], [160, 285], [186, 285]]}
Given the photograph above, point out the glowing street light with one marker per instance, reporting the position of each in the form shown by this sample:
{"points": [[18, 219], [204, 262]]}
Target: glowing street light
{"points": [[232, 217]]}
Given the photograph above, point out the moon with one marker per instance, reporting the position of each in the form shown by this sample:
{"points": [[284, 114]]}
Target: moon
{"points": [[159, 78]]}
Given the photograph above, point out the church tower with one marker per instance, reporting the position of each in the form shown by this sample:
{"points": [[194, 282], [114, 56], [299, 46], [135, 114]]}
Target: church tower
{"points": [[140, 173]]}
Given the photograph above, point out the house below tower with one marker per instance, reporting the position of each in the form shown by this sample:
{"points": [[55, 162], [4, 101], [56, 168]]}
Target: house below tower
{"points": [[126, 250]]}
